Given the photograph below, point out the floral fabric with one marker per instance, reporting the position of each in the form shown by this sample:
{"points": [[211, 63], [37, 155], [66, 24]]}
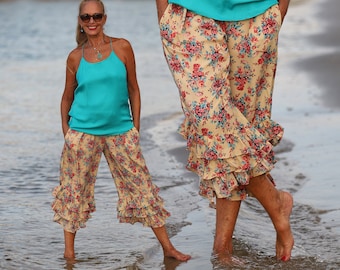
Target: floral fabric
{"points": [[225, 75], [74, 197]]}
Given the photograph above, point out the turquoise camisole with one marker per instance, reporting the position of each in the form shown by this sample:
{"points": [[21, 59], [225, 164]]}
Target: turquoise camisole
{"points": [[101, 99]]}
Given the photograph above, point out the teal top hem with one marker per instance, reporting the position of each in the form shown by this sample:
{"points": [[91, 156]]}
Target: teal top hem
{"points": [[226, 10]]}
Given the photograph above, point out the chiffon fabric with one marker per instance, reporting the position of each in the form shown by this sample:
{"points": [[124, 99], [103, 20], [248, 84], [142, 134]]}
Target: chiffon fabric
{"points": [[225, 75], [74, 197]]}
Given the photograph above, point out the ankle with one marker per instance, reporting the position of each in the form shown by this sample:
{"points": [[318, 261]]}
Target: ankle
{"points": [[285, 203], [221, 247], [69, 255]]}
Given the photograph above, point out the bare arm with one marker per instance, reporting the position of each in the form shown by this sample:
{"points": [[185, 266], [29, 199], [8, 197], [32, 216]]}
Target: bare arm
{"points": [[133, 88], [68, 95], [161, 6], [283, 6]]}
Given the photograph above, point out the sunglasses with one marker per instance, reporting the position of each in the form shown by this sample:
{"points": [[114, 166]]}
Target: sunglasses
{"points": [[97, 17]]}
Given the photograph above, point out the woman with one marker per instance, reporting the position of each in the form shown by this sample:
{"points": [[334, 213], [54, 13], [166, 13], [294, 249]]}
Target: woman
{"points": [[222, 55], [100, 113]]}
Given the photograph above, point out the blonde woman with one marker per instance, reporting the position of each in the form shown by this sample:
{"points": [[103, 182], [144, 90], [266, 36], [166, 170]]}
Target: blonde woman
{"points": [[100, 113]]}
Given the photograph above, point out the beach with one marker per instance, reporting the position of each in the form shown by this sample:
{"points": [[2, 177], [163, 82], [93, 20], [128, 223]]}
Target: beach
{"points": [[38, 35]]}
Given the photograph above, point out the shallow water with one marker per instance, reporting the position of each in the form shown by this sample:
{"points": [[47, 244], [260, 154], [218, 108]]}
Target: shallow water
{"points": [[36, 37]]}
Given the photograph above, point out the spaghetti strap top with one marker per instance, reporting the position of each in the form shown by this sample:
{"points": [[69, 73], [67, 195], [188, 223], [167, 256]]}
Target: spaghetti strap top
{"points": [[101, 99]]}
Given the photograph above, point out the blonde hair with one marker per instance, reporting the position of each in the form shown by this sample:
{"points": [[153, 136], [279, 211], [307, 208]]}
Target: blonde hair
{"points": [[81, 36]]}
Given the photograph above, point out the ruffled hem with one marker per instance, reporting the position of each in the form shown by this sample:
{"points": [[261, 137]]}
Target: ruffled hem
{"points": [[147, 210], [226, 162], [270, 130], [73, 215], [69, 212]]}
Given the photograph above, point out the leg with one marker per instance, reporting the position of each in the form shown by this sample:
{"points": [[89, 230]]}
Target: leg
{"points": [[252, 77], [252, 72], [278, 205], [69, 245], [128, 169], [74, 197], [168, 249], [226, 216], [199, 62]]}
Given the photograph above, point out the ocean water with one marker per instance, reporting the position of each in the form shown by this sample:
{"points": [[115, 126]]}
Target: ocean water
{"points": [[36, 38]]}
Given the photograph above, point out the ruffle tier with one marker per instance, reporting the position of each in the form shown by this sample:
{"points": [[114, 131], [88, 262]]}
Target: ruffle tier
{"points": [[146, 209], [271, 130], [226, 160], [73, 213]]}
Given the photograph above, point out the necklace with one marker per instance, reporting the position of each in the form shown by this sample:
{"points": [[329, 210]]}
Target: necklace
{"points": [[99, 55], [97, 50]]}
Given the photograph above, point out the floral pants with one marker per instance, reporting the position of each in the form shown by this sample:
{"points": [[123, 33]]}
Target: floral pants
{"points": [[74, 197], [225, 73]]}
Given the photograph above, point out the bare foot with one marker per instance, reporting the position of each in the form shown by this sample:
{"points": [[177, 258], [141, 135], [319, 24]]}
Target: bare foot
{"points": [[70, 262], [284, 237], [174, 253]]}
